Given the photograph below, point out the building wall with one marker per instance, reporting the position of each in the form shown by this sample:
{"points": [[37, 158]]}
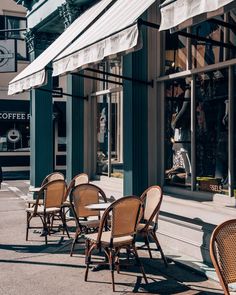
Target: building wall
{"points": [[10, 8]]}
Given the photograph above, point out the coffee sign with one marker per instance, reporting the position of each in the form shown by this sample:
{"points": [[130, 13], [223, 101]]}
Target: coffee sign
{"points": [[14, 116]]}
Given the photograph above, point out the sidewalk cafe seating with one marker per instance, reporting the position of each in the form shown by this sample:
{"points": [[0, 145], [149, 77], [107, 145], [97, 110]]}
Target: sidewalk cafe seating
{"points": [[52, 194], [223, 253], [125, 214], [152, 199], [86, 220], [50, 177]]}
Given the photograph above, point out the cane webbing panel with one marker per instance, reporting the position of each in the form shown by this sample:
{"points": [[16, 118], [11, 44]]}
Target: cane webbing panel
{"points": [[124, 217], [225, 251]]}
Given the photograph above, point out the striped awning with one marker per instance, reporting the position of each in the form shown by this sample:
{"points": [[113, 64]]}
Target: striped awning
{"points": [[116, 32], [34, 75], [179, 14]]}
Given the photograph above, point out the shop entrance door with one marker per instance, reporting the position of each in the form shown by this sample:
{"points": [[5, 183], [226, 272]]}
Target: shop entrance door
{"points": [[109, 126]]}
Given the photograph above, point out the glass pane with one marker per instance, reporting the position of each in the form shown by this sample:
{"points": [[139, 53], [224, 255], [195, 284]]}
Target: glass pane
{"points": [[212, 131], [112, 66], [176, 54], [178, 135], [102, 135], [59, 114], [16, 23]]}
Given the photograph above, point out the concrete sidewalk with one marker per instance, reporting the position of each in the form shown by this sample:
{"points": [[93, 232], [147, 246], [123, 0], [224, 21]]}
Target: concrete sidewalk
{"points": [[33, 268]]}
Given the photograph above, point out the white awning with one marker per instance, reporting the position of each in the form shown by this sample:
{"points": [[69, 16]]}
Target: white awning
{"points": [[179, 14], [117, 31], [34, 75]]}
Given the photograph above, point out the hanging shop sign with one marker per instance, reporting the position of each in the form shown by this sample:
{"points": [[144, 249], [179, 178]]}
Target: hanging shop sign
{"points": [[14, 116], [8, 56], [13, 135]]}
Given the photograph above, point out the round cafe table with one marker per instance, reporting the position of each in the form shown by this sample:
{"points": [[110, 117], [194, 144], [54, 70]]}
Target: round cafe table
{"points": [[98, 206]]}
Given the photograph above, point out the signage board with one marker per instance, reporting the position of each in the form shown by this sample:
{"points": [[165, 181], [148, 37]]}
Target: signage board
{"points": [[14, 116], [8, 56]]}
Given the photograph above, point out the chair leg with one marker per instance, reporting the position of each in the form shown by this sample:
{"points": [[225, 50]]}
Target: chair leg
{"points": [[64, 223], [140, 264], [147, 245], [117, 262], [45, 228], [88, 251], [153, 235], [112, 267], [28, 218], [77, 233]]}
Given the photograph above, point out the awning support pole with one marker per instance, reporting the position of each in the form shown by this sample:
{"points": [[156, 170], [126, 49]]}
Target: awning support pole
{"points": [[62, 93], [222, 23], [96, 78], [150, 83], [199, 38]]}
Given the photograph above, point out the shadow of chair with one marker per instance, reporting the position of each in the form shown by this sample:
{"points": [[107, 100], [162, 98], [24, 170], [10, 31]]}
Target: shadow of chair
{"points": [[87, 220], [152, 199], [125, 214], [223, 253], [52, 194]]}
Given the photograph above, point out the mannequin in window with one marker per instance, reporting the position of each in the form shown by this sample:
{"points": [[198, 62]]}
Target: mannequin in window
{"points": [[182, 136]]}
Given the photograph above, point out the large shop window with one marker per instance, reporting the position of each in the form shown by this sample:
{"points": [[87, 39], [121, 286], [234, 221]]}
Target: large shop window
{"points": [[109, 119], [178, 135], [197, 128], [15, 126]]}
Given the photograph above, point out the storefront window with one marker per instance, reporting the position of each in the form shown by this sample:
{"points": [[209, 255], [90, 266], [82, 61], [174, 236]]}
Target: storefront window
{"points": [[17, 23], [15, 128], [59, 114], [178, 135], [212, 131], [109, 119], [199, 133]]}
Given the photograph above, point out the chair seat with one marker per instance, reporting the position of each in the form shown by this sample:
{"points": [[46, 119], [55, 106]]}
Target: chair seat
{"points": [[66, 204], [40, 210], [106, 237], [90, 223], [33, 202], [141, 226]]}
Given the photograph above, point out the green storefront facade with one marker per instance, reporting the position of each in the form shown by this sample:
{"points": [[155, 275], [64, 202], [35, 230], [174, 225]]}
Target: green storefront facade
{"points": [[158, 112]]}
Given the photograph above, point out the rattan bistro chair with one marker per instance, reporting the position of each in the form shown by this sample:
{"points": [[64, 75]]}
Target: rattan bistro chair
{"points": [[152, 199], [223, 253], [52, 194], [50, 177], [125, 213], [81, 178], [86, 220]]}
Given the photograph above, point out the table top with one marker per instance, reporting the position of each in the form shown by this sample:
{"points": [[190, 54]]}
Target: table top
{"points": [[34, 189], [98, 206]]}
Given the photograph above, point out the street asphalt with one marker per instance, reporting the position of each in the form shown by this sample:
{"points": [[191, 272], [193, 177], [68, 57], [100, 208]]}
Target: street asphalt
{"points": [[31, 267]]}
